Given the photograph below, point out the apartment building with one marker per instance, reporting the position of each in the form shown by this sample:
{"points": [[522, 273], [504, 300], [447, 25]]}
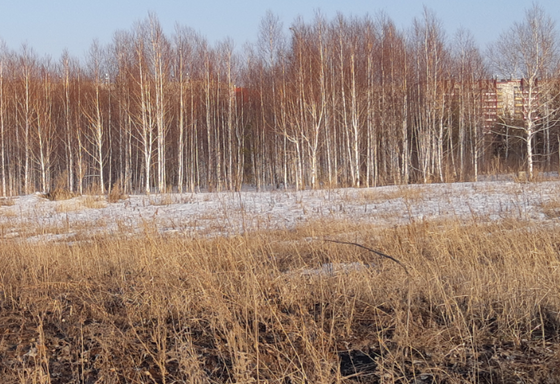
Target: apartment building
{"points": [[507, 99]]}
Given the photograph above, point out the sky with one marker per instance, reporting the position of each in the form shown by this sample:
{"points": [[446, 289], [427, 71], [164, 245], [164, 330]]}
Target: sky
{"points": [[51, 26]]}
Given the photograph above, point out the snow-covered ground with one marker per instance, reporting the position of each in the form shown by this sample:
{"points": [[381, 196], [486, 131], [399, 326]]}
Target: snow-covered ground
{"points": [[35, 218]]}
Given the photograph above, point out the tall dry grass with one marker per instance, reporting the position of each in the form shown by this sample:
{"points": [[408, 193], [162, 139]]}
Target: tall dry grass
{"points": [[480, 303]]}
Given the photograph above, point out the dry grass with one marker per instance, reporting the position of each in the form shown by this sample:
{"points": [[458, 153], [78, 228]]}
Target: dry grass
{"points": [[116, 193], [551, 207], [165, 199], [409, 193], [481, 303], [59, 194], [72, 205], [162, 199], [61, 191], [80, 203], [7, 201], [94, 201], [8, 213]]}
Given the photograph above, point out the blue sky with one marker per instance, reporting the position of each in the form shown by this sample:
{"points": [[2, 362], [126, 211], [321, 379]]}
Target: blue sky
{"points": [[49, 26]]}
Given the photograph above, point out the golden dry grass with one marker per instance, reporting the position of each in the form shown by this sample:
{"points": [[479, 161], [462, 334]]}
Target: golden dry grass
{"points": [[551, 207], [116, 193], [6, 201], [8, 212], [162, 199], [409, 193], [81, 203], [94, 201], [481, 303], [165, 199]]}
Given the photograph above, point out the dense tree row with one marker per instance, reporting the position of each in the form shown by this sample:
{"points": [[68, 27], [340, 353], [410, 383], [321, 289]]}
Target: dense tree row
{"points": [[341, 102]]}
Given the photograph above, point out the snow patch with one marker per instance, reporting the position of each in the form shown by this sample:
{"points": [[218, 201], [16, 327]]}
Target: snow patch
{"points": [[234, 213]]}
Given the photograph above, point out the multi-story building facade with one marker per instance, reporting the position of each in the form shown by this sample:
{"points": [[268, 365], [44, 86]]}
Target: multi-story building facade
{"points": [[507, 100]]}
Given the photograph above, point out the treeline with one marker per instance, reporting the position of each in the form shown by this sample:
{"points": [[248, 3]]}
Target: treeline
{"points": [[341, 102]]}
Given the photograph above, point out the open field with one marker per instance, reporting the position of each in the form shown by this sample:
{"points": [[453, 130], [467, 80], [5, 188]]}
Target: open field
{"points": [[212, 288], [35, 218]]}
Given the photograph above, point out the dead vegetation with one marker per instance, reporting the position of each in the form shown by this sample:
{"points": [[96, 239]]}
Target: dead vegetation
{"points": [[480, 303], [6, 201], [116, 193]]}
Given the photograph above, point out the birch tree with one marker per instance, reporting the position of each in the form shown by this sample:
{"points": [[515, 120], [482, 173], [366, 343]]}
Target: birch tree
{"points": [[472, 83], [144, 116], [430, 60], [93, 111], [27, 63], [160, 62], [529, 50], [3, 73]]}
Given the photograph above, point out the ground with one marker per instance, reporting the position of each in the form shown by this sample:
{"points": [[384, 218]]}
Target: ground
{"points": [[232, 213], [446, 283]]}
